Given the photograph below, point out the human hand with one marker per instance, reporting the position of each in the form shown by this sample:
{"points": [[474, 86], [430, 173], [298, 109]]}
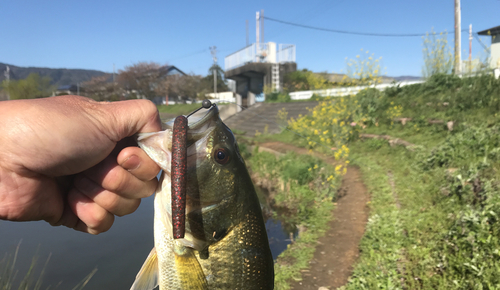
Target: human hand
{"points": [[66, 160]]}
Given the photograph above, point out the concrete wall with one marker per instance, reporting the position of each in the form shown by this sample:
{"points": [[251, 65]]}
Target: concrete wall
{"points": [[346, 91], [252, 77], [222, 97], [226, 111], [495, 53]]}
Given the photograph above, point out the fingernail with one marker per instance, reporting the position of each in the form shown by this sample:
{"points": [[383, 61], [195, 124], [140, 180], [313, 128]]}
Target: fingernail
{"points": [[131, 163]]}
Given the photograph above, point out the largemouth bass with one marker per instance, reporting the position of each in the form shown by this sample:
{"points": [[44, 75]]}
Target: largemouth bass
{"points": [[225, 244]]}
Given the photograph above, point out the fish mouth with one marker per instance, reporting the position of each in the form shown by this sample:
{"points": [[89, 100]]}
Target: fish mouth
{"points": [[199, 134], [203, 125]]}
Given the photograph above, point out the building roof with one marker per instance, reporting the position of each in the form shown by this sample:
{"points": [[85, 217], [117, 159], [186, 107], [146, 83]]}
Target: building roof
{"points": [[491, 31], [171, 70]]}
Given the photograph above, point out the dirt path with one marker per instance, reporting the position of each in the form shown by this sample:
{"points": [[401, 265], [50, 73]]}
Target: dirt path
{"points": [[338, 249]]}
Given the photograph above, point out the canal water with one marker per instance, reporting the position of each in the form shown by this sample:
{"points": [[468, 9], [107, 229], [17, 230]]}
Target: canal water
{"points": [[117, 254]]}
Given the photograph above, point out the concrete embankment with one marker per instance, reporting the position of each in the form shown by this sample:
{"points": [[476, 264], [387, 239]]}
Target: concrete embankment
{"points": [[225, 112]]}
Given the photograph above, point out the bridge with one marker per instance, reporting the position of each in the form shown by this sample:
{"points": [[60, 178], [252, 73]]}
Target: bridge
{"points": [[257, 66]]}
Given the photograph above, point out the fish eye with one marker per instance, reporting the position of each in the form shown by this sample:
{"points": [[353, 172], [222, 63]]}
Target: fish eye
{"points": [[221, 155]]}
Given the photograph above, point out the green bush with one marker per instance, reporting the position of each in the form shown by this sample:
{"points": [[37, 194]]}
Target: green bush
{"points": [[470, 248], [276, 97], [472, 144]]}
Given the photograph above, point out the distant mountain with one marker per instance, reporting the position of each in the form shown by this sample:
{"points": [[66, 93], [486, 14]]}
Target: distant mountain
{"points": [[59, 76], [407, 78]]}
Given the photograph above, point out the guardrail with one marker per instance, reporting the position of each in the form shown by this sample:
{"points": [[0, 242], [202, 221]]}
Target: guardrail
{"points": [[264, 52], [241, 57], [286, 53], [346, 91]]}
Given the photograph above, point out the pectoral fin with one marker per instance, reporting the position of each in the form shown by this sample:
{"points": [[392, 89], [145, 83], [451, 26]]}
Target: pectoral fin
{"points": [[147, 278], [190, 272]]}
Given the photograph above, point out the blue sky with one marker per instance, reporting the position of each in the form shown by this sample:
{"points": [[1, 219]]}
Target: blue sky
{"points": [[97, 34]]}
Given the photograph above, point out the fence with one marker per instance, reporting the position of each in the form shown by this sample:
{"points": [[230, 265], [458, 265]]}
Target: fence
{"points": [[286, 53], [264, 52], [346, 91]]}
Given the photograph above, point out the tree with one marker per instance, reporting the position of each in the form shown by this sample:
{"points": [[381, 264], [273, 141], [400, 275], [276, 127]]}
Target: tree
{"points": [[184, 86], [437, 54], [101, 89], [144, 78], [31, 87], [221, 79]]}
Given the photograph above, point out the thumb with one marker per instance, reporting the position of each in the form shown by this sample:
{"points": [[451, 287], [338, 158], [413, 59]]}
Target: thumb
{"points": [[126, 118]]}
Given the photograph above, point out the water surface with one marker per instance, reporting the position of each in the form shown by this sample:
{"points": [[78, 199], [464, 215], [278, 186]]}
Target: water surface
{"points": [[117, 254]]}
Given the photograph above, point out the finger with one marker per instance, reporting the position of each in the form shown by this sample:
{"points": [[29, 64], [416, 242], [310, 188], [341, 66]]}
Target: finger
{"points": [[112, 177], [138, 163], [127, 118], [93, 218], [67, 219], [108, 200]]}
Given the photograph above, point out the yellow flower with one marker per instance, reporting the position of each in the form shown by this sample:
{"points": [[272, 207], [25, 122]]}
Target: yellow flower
{"points": [[315, 166], [309, 169]]}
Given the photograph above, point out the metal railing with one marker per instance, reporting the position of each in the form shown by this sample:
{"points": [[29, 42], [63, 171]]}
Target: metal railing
{"points": [[260, 53], [286, 53]]}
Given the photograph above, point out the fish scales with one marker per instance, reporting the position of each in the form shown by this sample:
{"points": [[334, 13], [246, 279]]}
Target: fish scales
{"points": [[225, 244]]}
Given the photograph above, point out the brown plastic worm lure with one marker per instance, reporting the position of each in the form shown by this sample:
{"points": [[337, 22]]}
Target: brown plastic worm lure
{"points": [[178, 171]]}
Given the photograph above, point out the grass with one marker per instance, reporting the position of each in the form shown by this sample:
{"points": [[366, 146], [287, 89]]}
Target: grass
{"points": [[435, 212], [303, 187], [381, 246], [179, 109], [11, 279], [446, 233]]}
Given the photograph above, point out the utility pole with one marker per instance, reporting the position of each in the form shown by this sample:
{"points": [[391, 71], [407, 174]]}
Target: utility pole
{"points": [[470, 48], [257, 31], [7, 79], [213, 50], [262, 26], [114, 83], [247, 32], [458, 57]]}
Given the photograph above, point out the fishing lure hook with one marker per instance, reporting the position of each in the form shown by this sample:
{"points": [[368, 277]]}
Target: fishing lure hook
{"points": [[206, 104]]}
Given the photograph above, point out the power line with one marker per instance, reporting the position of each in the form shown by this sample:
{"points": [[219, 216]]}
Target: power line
{"points": [[189, 55], [350, 32], [480, 42], [314, 12]]}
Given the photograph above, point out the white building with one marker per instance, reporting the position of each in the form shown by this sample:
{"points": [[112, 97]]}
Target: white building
{"points": [[495, 45]]}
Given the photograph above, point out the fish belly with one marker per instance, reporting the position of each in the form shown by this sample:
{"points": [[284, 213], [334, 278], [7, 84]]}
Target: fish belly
{"points": [[241, 260]]}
